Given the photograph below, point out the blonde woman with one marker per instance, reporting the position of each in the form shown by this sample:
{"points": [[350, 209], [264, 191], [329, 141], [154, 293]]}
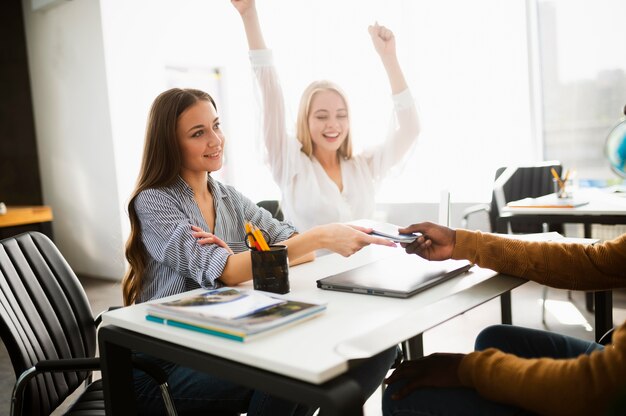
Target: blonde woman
{"points": [[319, 164]]}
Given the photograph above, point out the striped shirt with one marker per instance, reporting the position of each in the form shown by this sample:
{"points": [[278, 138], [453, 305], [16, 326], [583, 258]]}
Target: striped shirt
{"points": [[175, 261]]}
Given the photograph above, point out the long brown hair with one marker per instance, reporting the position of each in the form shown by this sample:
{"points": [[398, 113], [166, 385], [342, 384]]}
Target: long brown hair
{"points": [[302, 123], [160, 166]]}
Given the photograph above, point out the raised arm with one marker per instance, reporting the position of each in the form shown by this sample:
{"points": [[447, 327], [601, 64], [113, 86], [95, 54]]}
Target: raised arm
{"points": [[405, 125], [277, 143], [384, 42], [250, 19]]}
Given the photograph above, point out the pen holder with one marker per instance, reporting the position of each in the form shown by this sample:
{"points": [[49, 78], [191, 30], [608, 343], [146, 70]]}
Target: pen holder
{"points": [[563, 189], [270, 269]]}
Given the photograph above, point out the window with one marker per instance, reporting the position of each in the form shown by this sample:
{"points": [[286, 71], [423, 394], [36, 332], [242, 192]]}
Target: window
{"points": [[583, 80], [466, 64]]}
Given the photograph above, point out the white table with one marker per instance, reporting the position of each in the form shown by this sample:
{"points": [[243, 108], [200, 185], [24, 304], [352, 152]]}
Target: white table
{"points": [[603, 208], [304, 362], [601, 203]]}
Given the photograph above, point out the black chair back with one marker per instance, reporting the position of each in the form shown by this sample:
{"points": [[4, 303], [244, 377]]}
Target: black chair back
{"points": [[273, 206], [526, 182], [44, 315]]}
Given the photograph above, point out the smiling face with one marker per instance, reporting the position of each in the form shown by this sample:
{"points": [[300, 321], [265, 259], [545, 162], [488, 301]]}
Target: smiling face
{"points": [[328, 121], [200, 139]]}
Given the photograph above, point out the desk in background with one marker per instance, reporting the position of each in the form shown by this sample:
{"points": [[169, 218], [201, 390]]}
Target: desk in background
{"points": [[603, 208], [306, 362], [19, 219]]}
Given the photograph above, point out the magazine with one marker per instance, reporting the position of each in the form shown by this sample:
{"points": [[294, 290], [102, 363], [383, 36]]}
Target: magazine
{"points": [[251, 319], [224, 303]]}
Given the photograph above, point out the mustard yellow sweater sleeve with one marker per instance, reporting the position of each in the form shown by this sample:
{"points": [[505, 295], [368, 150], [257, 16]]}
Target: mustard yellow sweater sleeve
{"points": [[583, 385], [565, 266]]}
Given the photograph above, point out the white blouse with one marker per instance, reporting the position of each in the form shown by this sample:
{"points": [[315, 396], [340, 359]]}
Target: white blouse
{"points": [[309, 196]]}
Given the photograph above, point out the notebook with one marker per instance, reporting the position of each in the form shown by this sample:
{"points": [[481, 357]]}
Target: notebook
{"points": [[398, 276]]}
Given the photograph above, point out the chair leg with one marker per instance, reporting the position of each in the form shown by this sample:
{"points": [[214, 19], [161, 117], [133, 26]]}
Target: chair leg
{"points": [[544, 297], [413, 348], [505, 308], [589, 301], [170, 408]]}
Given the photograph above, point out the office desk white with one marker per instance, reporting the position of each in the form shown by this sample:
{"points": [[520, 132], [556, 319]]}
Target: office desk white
{"points": [[304, 362], [603, 208], [601, 203]]}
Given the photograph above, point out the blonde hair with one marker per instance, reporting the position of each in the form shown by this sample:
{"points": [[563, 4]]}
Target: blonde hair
{"points": [[160, 167], [302, 124]]}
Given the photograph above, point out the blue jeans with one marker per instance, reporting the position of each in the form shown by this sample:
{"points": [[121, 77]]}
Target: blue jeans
{"points": [[195, 391], [523, 342]]}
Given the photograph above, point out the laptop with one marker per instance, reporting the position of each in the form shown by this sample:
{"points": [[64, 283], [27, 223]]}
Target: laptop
{"points": [[398, 276]]}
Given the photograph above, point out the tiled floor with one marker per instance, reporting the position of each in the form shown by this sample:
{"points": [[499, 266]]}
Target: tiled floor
{"points": [[456, 335]]}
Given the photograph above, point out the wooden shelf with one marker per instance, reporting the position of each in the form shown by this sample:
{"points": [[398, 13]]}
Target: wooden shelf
{"points": [[21, 215]]}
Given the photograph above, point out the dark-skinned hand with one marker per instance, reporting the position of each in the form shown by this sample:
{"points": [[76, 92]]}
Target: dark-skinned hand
{"points": [[435, 370], [435, 243]]}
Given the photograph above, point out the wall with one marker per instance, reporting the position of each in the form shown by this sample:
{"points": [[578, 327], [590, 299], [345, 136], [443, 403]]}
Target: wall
{"points": [[73, 127], [19, 170], [137, 63], [404, 214]]}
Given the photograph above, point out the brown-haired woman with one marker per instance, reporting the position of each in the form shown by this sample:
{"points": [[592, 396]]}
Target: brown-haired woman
{"points": [[188, 231]]}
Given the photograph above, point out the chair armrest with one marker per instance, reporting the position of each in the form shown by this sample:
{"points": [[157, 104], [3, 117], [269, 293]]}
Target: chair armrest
{"points": [[85, 364], [148, 367], [47, 366], [70, 364], [607, 337], [98, 319], [473, 209], [160, 376]]}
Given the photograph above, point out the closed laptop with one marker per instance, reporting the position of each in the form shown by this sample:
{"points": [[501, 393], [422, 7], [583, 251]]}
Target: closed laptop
{"points": [[399, 276]]}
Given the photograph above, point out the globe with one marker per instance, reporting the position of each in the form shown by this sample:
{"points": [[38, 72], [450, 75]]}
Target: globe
{"points": [[615, 147]]}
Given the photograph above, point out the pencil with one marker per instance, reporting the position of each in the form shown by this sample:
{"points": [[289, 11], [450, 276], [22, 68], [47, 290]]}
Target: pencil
{"points": [[260, 239], [566, 176], [249, 235], [557, 177]]}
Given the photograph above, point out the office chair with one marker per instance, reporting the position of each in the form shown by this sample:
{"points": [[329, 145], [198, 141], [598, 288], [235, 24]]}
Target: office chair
{"points": [[521, 182], [49, 331], [273, 206], [511, 184]]}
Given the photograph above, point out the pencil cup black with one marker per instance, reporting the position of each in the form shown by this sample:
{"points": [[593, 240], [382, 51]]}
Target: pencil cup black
{"points": [[270, 269]]}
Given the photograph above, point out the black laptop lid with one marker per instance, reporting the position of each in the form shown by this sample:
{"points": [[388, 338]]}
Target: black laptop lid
{"points": [[397, 276]]}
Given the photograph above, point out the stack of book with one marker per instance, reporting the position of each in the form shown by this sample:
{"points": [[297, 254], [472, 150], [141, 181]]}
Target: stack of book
{"points": [[231, 313]]}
